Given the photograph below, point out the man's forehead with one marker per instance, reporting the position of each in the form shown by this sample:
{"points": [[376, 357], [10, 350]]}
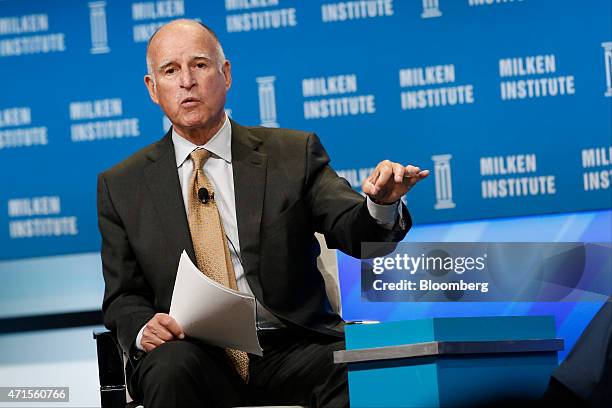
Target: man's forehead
{"points": [[175, 44], [181, 31]]}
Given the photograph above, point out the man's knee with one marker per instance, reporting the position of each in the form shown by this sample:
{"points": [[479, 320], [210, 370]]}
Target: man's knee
{"points": [[176, 362], [187, 371], [172, 358]]}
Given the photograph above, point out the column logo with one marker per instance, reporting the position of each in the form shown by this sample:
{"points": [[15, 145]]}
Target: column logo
{"points": [[267, 101], [431, 9], [607, 46], [97, 20], [444, 186]]}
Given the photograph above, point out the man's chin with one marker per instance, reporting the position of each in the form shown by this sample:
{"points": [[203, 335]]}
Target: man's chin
{"points": [[196, 120], [193, 123]]}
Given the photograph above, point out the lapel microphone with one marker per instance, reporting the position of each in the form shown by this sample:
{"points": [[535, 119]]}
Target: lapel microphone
{"points": [[204, 196]]}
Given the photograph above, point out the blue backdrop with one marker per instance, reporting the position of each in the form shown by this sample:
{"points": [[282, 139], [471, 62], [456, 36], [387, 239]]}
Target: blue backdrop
{"points": [[507, 102]]}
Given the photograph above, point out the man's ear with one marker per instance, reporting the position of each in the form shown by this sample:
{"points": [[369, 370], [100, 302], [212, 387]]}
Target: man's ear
{"points": [[227, 73], [151, 87]]}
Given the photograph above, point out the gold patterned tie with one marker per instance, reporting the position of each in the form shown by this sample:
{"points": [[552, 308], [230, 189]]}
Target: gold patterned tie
{"points": [[211, 249]]}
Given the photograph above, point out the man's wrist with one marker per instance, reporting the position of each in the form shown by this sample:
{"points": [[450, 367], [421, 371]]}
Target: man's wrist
{"points": [[384, 214], [382, 203], [139, 338]]}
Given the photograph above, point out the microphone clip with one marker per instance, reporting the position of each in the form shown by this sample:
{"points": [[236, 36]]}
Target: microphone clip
{"points": [[205, 196]]}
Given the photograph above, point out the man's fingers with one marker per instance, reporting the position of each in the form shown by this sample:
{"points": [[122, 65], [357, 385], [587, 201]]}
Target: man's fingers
{"points": [[414, 174], [398, 172], [159, 331], [412, 171], [151, 343], [173, 327], [386, 178], [368, 188], [374, 176], [385, 172], [423, 173], [151, 339], [151, 336]]}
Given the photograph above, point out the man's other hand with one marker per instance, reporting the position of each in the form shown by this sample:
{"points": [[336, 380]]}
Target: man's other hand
{"points": [[160, 329], [390, 181]]}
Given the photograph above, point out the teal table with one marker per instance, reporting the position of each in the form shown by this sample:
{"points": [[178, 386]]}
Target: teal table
{"points": [[449, 362]]}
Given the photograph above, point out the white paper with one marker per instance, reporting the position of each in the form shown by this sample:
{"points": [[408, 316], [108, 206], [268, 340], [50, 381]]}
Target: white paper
{"points": [[211, 312]]}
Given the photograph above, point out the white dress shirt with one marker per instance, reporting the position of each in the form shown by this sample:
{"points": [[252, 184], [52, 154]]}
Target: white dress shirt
{"points": [[218, 169]]}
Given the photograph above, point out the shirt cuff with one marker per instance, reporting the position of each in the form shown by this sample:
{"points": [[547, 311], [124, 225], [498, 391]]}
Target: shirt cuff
{"points": [[138, 338], [386, 215]]}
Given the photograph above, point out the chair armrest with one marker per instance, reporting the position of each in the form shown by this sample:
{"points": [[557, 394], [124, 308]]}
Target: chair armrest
{"points": [[110, 369]]}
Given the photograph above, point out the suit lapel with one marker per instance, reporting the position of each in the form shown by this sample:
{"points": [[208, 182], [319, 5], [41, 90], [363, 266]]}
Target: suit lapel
{"points": [[162, 180], [249, 168]]}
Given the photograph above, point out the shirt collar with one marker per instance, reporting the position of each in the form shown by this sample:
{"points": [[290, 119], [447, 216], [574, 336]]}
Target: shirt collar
{"points": [[219, 145]]}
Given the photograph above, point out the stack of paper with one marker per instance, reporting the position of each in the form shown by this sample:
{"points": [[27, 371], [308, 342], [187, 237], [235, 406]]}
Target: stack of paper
{"points": [[211, 312]]}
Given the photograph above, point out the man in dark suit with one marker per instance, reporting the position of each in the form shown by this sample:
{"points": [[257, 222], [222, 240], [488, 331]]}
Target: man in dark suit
{"points": [[273, 190]]}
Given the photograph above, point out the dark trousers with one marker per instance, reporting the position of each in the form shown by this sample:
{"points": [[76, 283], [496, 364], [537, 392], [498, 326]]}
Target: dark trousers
{"points": [[294, 370]]}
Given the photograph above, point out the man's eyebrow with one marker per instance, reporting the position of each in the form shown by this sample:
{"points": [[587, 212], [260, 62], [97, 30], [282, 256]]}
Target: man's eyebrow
{"points": [[201, 56], [164, 64]]}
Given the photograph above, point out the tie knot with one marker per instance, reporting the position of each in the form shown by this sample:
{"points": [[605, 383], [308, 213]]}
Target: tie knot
{"points": [[198, 157]]}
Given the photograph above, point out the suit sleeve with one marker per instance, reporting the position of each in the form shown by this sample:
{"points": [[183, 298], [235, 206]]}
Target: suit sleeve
{"points": [[338, 211], [127, 303]]}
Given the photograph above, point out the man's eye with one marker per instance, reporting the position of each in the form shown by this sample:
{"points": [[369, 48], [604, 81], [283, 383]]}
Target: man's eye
{"points": [[169, 71], [201, 65]]}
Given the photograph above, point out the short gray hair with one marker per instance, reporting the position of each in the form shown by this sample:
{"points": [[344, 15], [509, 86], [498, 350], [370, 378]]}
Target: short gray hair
{"points": [[218, 48]]}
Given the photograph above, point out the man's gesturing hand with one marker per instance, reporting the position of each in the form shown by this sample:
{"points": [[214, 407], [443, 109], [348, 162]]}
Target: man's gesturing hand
{"points": [[390, 181], [160, 329]]}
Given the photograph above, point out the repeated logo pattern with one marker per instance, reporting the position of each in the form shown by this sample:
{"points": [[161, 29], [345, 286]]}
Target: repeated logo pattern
{"points": [[506, 102]]}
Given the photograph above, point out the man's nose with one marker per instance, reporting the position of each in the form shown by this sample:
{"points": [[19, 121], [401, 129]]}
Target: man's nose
{"points": [[187, 80]]}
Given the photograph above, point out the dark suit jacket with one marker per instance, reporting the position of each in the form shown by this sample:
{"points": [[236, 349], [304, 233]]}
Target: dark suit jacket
{"points": [[285, 191]]}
